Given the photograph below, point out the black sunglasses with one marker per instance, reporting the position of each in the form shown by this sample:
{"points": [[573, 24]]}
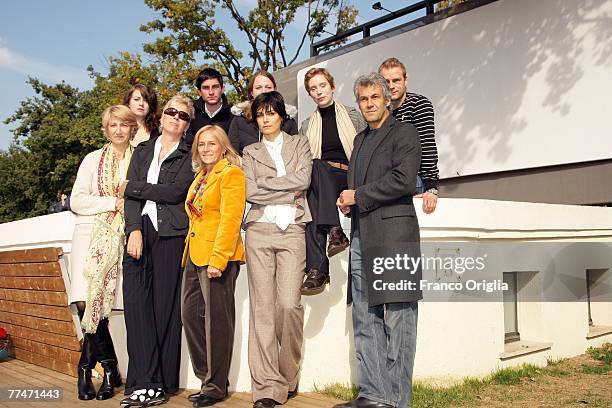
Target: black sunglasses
{"points": [[181, 114]]}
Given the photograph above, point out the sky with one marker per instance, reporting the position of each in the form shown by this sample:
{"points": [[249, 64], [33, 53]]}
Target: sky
{"points": [[58, 40]]}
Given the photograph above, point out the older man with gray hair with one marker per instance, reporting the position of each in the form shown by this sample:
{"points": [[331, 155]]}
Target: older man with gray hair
{"points": [[384, 231]]}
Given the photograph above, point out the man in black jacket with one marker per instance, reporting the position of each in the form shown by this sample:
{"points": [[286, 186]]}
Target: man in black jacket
{"points": [[211, 108], [384, 229]]}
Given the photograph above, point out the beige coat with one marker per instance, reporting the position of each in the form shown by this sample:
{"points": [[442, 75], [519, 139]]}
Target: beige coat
{"points": [[263, 187], [86, 202]]}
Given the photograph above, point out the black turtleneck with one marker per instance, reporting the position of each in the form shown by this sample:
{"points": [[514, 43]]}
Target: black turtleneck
{"points": [[331, 146]]}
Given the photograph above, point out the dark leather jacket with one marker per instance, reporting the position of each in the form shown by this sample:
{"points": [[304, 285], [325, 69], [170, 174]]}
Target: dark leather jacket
{"points": [[175, 177]]}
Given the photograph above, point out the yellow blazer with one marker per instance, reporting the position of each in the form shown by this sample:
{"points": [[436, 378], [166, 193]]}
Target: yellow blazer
{"points": [[214, 238]]}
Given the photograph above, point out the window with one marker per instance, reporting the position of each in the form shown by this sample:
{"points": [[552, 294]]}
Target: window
{"points": [[589, 282], [511, 308]]}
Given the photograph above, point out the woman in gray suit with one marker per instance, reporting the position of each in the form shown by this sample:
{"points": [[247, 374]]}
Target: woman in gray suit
{"points": [[278, 172]]}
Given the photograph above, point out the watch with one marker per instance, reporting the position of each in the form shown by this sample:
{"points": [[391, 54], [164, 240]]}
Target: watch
{"points": [[433, 191]]}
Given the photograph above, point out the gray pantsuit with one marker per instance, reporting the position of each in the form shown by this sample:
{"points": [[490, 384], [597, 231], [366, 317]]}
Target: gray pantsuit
{"points": [[276, 259], [276, 268]]}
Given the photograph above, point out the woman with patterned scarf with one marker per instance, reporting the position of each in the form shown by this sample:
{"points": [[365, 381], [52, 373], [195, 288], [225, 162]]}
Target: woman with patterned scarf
{"points": [[212, 257], [97, 247]]}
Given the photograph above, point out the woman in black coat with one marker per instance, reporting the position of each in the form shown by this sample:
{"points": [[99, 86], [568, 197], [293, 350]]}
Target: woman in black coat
{"points": [[243, 131], [157, 182]]}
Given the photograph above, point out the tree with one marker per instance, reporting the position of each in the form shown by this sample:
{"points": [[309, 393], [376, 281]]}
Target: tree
{"points": [[448, 3], [61, 124], [192, 33], [40, 162], [19, 197]]}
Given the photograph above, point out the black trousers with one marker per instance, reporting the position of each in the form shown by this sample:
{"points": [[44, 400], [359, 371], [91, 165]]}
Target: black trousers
{"points": [[326, 184], [152, 308], [209, 317], [98, 346]]}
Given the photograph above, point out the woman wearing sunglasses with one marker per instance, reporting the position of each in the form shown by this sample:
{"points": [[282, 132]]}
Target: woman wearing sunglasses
{"points": [[156, 225], [213, 254]]}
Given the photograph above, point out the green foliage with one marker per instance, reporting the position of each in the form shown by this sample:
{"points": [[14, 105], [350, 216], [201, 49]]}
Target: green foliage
{"points": [[603, 353], [61, 124], [42, 160], [448, 3], [596, 369], [19, 197], [191, 33]]}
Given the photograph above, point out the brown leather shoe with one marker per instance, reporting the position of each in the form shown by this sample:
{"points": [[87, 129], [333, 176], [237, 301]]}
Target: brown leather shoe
{"points": [[338, 241], [315, 282]]}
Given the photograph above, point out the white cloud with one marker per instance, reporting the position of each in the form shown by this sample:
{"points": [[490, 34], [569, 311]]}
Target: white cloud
{"points": [[30, 66]]}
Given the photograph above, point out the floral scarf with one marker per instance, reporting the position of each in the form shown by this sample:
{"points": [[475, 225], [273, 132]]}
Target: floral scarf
{"points": [[104, 259], [195, 202]]}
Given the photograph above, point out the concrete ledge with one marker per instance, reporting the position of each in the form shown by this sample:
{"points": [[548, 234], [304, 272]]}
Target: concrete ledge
{"points": [[521, 348], [596, 331]]}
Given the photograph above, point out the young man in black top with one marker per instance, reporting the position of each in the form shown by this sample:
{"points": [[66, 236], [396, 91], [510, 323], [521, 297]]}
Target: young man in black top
{"points": [[211, 108]]}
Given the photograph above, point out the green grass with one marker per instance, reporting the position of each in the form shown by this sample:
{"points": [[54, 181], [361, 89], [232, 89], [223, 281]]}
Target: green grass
{"points": [[342, 392], [603, 353], [513, 375], [595, 369], [422, 395], [466, 392], [427, 396], [553, 367]]}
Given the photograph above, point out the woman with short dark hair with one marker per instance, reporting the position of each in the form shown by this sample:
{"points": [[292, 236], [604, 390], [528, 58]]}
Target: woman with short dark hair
{"points": [[278, 171]]}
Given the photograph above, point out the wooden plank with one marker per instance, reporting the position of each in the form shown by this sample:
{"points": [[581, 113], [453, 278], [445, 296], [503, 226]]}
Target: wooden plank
{"points": [[67, 342], [58, 353], [47, 362], [40, 297], [12, 372], [29, 309], [31, 269], [37, 323], [40, 377], [31, 255], [33, 283]]}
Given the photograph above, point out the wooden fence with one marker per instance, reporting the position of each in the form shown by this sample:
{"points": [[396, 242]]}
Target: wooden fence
{"points": [[34, 309]]}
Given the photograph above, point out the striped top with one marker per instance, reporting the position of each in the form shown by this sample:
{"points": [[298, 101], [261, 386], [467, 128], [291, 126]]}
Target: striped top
{"points": [[418, 111]]}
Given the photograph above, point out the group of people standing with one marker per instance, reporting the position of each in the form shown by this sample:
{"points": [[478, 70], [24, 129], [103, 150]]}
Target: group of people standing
{"points": [[162, 203]]}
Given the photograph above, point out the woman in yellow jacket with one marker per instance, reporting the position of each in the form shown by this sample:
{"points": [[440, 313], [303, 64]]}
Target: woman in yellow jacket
{"points": [[213, 254]]}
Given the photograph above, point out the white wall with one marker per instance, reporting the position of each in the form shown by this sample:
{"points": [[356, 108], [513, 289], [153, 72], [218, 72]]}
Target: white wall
{"points": [[515, 84], [455, 339]]}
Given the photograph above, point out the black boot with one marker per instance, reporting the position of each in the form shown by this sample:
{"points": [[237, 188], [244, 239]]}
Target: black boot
{"points": [[85, 387], [111, 380], [84, 384]]}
